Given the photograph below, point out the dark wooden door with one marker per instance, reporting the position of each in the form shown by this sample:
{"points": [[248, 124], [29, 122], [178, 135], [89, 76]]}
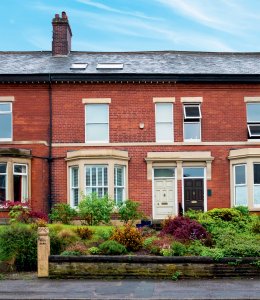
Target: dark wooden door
{"points": [[194, 194]]}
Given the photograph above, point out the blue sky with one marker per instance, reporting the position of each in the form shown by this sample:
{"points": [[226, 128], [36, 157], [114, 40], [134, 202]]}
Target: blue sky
{"points": [[129, 25]]}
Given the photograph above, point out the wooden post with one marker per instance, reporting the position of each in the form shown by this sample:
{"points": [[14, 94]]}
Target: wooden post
{"points": [[43, 251]]}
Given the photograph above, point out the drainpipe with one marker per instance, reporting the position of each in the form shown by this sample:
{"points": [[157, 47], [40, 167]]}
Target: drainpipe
{"points": [[50, 147]]}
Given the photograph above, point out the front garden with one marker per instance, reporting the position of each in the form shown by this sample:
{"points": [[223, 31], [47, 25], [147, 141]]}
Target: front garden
{"points": [[227, 232]]}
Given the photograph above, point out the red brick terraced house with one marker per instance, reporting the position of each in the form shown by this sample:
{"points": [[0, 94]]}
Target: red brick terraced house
{"points": [[173, 130]]}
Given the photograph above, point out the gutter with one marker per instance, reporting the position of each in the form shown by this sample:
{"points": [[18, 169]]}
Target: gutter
{"points": [[129, 77]]}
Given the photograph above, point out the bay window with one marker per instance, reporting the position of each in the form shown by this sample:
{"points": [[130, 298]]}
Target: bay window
{"points": [[3, 182], [240, 192], [96, 180], [74, 186], [119, 184]]}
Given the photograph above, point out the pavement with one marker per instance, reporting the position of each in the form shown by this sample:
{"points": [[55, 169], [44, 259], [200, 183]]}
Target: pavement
{"points": [[35, 288]]}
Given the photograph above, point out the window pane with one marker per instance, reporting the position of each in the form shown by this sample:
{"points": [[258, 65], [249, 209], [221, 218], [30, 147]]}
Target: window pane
{"points": [[21, 169], [256, 195], [5, 126], [191, 131], [164, 112], [2, 187], [241, 195], [253, 112], [20, 188], [87, 176], [5, 107], [75, 197], [3, 168], [94, 176], [254, 130], [163, 172], [193, 172], [164, 132], [256, 173], [100, 181], [240, 174], [119, 176], [105, 176], [192, 111], [97, 132], [97, 113], [75, 177]]}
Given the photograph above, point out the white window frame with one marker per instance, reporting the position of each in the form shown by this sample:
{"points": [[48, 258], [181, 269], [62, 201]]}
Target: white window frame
{"points": [[23, 175], [116, 186], [96, 186], [156, 122], [5, 113], [239, 185], [191, 105], [257, 184], [6, 179], [72, 187], [86, 123], [185, 118]]}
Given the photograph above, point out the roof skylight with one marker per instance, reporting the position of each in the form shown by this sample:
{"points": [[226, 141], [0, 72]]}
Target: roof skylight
{"points": [[78, 66], [110, 66]]}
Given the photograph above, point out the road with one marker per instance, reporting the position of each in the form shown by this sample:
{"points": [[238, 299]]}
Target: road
{"points": [[130, 289]]}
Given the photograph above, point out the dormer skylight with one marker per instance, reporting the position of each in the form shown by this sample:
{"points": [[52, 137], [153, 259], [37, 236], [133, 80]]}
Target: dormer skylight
{"points": [[78, 66], [112, 66]]}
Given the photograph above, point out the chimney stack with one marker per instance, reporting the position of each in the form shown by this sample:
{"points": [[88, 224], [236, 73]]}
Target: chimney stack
{"points": [[61, 38]]}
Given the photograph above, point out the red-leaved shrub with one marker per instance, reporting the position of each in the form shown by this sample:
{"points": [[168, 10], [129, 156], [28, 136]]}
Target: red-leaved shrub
{"points": [[184, 230]]}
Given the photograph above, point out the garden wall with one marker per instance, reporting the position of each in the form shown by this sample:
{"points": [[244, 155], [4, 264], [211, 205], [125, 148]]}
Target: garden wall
{"points": [[150, 267]]}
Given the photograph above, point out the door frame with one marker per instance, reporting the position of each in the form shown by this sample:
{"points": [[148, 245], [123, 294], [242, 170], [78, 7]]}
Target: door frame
{"points": [[174, 185], [204, 185]]}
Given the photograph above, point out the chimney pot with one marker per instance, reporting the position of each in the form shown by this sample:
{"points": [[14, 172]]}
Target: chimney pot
{"points": [[63, 14], [61, 38]]}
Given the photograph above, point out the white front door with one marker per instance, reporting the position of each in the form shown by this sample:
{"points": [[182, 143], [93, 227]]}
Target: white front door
{"points": [[164, 198]]}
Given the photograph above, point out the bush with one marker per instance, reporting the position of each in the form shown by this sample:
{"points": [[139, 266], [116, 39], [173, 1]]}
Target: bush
{"points": [[84, 233], [24, 214], [225, 214], [147, 243], [69, 253], [63, 213], [128, 211], [128, 236], [185, 230], [105, 234], [94, 210], [112, 248], [57, 244], [78, 248], [178, 249], [158, 244], [94, 250], [19, 244]]}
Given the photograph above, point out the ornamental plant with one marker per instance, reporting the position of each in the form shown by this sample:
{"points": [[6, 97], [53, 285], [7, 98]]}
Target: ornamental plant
{"points": [[128, 236], [63, 213], [112, 248], [185, 230], [95, 210], [128, 211], [24, 214]]}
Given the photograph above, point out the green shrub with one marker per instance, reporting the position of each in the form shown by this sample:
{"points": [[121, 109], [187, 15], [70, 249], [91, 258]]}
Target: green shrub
{"points": [[128, 211], [147, 243], [68, 253], [94, 210], [225, 214], [243, 210], [57, 245], [105, 234], [84, 233], [94, 250], [256, 225], [128, 236], [166, 252], [178, 249], [19, 244], [63, 213], [112, 248]]}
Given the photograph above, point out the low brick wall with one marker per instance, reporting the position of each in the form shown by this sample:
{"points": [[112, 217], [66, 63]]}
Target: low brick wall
{"points": [[150, 267]]}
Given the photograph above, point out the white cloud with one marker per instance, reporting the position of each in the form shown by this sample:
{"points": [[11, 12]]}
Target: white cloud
{"points": [[115, 10]]}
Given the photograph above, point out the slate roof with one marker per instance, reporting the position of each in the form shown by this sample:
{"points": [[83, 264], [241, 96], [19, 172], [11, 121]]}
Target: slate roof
{"points": [[157, 62]]}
